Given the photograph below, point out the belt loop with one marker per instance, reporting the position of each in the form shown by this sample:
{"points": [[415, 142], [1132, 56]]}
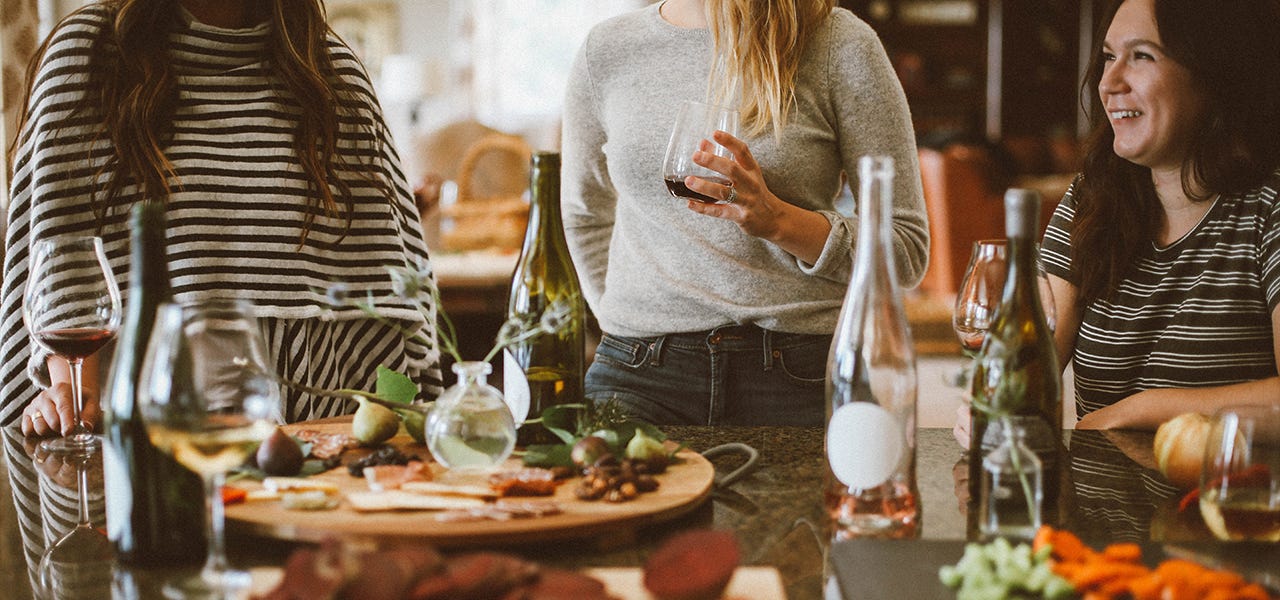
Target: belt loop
{"points": [[655, 350], [766, 344]]}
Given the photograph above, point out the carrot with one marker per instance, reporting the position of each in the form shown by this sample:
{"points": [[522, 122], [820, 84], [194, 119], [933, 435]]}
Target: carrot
{"points": [[232, 495], [1123, 552], [1043, 537]]}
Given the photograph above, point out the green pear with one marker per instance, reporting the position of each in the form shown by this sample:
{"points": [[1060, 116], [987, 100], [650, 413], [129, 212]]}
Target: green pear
{"points": [[415, 423]]}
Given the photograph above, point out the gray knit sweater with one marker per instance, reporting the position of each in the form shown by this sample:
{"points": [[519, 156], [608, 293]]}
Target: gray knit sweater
{"points": [[649, 265]]}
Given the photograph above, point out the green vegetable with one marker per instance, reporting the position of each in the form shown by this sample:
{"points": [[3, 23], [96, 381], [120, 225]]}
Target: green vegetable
{"points": [[998, 570]]}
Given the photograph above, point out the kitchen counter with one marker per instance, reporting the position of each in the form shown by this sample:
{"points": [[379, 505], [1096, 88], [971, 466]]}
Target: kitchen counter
{"points": [[776, 510]]}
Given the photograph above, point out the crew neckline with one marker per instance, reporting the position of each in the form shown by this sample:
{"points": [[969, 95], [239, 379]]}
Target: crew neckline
{"points": [[655, 10], [194, 23]]}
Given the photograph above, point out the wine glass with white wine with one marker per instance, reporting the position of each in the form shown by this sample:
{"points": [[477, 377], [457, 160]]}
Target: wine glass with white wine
{"points": [[208, 399]]}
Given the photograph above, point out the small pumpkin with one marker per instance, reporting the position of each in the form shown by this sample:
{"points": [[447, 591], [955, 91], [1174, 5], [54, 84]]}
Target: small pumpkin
{"points": [[1179, 448]]}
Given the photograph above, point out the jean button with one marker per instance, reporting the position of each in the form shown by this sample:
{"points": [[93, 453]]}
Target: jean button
{"points": [[715, 338]]}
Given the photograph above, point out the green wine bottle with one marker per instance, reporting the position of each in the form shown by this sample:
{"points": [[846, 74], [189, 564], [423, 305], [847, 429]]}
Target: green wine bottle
{"points": [[1016, 374], [547, 369], [155, 507]]}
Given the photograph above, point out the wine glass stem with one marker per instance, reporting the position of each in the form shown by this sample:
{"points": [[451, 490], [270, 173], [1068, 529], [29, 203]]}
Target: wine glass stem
{"points": [[216, 560], [78, 429], [82, 490]]}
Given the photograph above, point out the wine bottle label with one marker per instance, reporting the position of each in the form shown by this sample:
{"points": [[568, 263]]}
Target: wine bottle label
{"points": [[118, 490], [515, 387], [865, 443]]}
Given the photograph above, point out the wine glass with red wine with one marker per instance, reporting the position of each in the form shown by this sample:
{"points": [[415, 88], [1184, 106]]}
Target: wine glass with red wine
{"points": [[72, 308], [696, 122]]}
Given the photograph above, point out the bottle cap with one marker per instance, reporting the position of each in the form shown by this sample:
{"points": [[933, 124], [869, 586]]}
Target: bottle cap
{"points": [[1021, 213]]}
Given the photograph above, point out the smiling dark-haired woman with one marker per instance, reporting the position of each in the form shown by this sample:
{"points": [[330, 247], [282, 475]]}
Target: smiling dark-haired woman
{"points": [[259, 130], [1164, 256]]}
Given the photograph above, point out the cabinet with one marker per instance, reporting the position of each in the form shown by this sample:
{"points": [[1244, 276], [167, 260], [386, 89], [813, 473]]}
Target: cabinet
{"points": [[993, 68]]}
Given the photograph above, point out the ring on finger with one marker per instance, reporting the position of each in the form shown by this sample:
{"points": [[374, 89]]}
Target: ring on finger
{"points": [[38, 416], [732, 197]]}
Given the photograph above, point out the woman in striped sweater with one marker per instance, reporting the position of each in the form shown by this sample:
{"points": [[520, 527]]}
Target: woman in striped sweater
{"points": [[1164, 256], [259, 130]]}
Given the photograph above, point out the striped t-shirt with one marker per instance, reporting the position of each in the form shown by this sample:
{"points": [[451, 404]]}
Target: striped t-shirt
{"points": [[236, 213], [1196, 313]]}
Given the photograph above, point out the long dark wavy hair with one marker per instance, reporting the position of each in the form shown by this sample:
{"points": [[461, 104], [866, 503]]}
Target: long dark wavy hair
{"points": [[1232, 50], [134, 91]]}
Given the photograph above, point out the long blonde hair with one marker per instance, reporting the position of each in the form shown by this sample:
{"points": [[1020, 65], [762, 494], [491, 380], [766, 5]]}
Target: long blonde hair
{"points": [[757, 48]]}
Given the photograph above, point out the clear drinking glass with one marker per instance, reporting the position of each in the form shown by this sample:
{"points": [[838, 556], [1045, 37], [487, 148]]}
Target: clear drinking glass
{"points": [[1012, 487], [1240, 483], [72, 308], [208, 399], [695, 123]]}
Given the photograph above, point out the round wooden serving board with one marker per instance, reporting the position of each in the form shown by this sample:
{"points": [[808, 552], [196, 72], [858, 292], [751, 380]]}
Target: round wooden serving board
{"points": [[684, 486]]}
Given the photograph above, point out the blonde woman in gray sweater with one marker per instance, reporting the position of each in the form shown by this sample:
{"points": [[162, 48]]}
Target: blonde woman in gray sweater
{"points": [[723, 313]]}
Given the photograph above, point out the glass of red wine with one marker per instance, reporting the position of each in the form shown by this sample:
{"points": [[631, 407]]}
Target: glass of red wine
{"points": [[72, 308], [695, 123]]}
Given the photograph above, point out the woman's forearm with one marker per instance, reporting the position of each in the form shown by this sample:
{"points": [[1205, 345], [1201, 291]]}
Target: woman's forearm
{"points": [[1150, 408]]}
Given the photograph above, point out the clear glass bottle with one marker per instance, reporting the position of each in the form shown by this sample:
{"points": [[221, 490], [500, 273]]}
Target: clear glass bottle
{"points": [[548, 369], [1012, 488], [870, 440], [471, 425]]}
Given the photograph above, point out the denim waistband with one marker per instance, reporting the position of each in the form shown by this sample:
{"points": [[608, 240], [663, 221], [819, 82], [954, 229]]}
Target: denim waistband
{"points": [[726, 338]]}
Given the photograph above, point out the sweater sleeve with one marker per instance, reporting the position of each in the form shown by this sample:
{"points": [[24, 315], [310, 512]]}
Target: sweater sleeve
{"points": [[588, 197], [873, 119]]}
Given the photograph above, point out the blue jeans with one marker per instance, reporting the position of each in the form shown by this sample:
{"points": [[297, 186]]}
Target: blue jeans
{"points": [[731, 375]]}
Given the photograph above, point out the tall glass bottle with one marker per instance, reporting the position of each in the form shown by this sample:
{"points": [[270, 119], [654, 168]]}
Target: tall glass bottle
{"points": [[155, 507], [871, 383], [545, 370], [1016, 374]]}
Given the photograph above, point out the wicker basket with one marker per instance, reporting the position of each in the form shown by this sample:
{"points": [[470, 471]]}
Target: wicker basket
{"points": [[491, 211]]}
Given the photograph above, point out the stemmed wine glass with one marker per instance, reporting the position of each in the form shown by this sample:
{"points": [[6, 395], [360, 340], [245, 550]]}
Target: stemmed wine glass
{"points": [[695, 123], [981, 290], [78, 564], [72, 308], [1240, 482], [207, 398]]}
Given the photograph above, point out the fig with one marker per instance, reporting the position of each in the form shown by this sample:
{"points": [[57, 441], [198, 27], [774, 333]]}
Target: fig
{"points": [[415, 423], [279, 455], [644, 448], [588, 450], [693, 565], [373, 423]]}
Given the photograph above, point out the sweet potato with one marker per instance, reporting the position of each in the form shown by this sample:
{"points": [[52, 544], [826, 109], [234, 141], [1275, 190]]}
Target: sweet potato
{"points": [[694, 565]]}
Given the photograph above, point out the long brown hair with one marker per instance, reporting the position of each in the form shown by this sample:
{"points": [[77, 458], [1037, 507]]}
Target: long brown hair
{"points": [[757, 51], [1233, 54], [134, 89]]}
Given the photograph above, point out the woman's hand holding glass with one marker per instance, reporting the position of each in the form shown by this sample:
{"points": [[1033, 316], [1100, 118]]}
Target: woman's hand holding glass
{"points": [[208, 398], [71, 307]]}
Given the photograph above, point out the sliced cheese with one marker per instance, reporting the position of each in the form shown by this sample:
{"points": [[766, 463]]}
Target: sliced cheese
{"points": [[435, 488], [402, 500], [298, 484]]}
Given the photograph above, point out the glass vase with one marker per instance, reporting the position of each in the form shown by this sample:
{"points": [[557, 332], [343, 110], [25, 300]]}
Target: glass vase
{"points": [[471, 426], [1012, 486]]}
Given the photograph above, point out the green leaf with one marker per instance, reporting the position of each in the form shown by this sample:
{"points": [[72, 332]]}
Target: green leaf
{"points": [[395, 386], [562, 420], [548, 455]]}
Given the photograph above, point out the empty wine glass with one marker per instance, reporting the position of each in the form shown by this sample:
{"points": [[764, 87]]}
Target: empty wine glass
{"points": [[979, 293], [981, 290], [695, 123], [207, 399], [72, 308], [1240, 483], [78, 564]]}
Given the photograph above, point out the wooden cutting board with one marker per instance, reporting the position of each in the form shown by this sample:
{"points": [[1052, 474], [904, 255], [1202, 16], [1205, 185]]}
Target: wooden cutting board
{"points": [[685, 485]]}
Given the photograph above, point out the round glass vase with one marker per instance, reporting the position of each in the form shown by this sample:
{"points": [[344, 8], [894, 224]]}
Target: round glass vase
{"points": [[471, 425]]}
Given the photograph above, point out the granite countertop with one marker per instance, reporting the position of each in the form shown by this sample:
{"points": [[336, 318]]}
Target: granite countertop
{"points": [[776, 510]]}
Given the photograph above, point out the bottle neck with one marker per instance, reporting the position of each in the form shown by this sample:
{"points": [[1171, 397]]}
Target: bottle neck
{"points": [[148, 261], [472, 371], [875, 193]]}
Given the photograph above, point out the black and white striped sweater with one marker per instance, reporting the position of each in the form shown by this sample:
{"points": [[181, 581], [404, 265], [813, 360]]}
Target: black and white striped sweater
{"points": [[235, 223]]}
